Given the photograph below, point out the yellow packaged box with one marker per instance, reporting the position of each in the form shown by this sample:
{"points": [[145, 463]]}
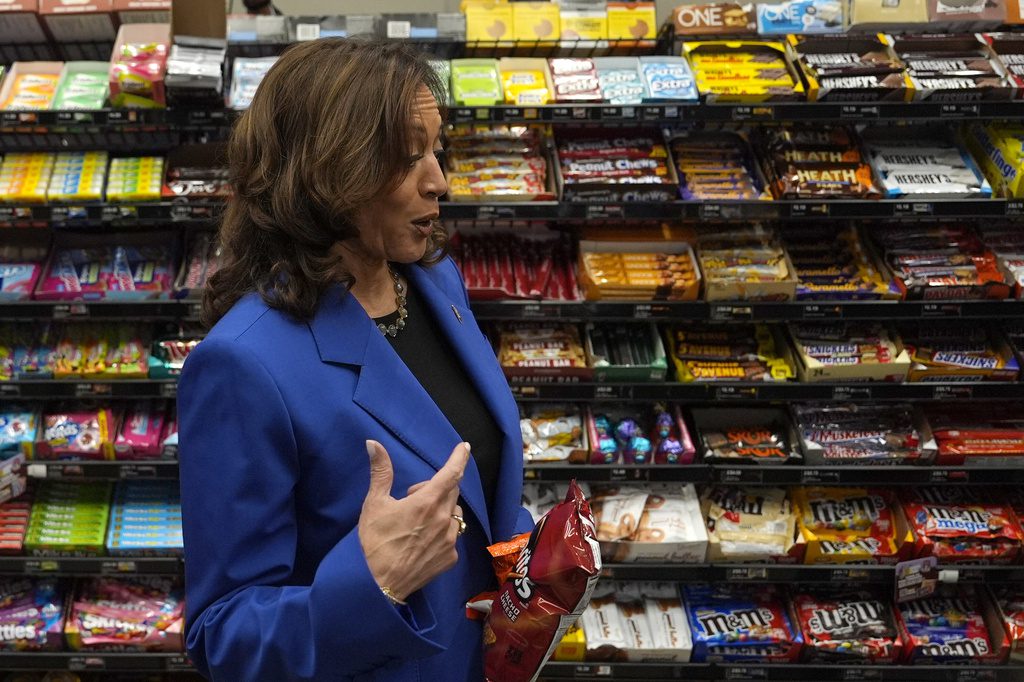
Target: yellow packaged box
{"points": [[778, 82], [526, 80], [573, 646], [533, 21], [487, 20], [852, 525], [998, 148], [588, 24], [632, 21]]}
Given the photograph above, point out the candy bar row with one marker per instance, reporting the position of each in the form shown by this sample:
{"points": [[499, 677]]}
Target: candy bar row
{"points": [[676, 523], [806, 351], [146, 430], [135, 615], [126, 519], [640, 622], [814, 434]]}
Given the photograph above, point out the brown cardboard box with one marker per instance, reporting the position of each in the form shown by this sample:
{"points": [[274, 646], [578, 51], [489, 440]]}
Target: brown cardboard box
{"points": [[888, 15], [74, 21], [19, 22], [142, 11]]}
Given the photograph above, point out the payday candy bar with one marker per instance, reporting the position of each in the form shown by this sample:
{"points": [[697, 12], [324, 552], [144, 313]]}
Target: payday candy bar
{"points": [[730, 623], [847, 626]]}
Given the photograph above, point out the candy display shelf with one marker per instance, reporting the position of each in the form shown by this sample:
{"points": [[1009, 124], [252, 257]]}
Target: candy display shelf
{"points": [[77, 470], [98, 310], [62, 388], [115, 215], [110, 566], [792, 672], [779, 474], [95, 662], [798, 573]]}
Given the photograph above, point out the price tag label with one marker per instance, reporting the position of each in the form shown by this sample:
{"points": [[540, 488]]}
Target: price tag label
{"points": [[137, 471], [513, 113], [861, 674], [178, 663], [670, 113], [10, 390], [952, 392], [169, 390], [118, 567], [520, 391], [731, 312], [741, 475], [736, 392], [79, 663], [941, 310], [949, 475], [304, 32], [599, 212], [399, 29], [68, 310], [36, 471], [817, 311], [849, 574], [745, 673], [1015, 208], [851, 393], [709, 211], [611, 113], [959, 110], [59, 214], [746, 573], [593, 671], [560, 113], [463, 114], [620, 474], [819, 476], [92, 390], [44, 566], [607, 392], [975, 675], [859, 111], [750, 113], [495, 213], [808, 210], [912, 208], [194, 310]]}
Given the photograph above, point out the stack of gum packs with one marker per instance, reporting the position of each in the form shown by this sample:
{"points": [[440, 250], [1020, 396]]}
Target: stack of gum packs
{"points": [[135, 178], [78, 176], [32, 91], [68, 519], [145, 519], [26, 176]]}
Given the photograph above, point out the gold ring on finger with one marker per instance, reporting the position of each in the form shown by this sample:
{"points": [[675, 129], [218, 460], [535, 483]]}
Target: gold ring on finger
{"points": [[462, 523]]}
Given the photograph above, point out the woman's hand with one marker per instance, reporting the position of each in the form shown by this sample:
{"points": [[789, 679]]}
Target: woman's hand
{"points": [[409, 542]]}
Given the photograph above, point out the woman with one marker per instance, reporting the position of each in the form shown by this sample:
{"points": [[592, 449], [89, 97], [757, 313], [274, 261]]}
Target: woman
{"points": [[335, 520]]}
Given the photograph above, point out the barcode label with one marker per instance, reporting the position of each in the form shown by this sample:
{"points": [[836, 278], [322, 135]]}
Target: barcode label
{"points": [[307, 31]]}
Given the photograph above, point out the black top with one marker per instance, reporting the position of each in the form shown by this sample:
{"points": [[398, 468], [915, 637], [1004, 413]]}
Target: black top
{"points": [[423, 347]]}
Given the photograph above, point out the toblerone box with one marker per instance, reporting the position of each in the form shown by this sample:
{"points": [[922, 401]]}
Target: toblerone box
{"points": [[142, 11], [19, 22]]}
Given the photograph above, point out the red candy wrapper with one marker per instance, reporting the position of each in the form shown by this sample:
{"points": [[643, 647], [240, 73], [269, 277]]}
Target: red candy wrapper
{"points": [[559, 568]]}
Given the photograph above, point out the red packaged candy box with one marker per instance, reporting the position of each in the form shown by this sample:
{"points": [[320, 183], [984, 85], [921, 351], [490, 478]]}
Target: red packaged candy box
{"points": [[964, 532], [847, 626]]}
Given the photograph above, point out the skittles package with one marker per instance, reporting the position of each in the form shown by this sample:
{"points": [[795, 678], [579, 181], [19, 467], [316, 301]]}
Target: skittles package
{"points": [[732, 623], [31, 615]]}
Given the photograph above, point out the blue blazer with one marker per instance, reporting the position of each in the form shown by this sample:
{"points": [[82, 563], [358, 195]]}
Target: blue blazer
{"points": [[273, 417]]}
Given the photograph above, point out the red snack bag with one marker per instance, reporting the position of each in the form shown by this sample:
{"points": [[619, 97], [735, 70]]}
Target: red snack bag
{"points": [[560, 566]]}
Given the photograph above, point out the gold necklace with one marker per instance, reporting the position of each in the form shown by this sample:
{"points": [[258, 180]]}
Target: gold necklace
{"points": [[399, 324]]}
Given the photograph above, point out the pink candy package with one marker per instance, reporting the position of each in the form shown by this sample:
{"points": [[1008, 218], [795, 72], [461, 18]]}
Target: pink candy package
{"points": [[141, 433], [131, 615], [17, 280], [118, 273], [77, 435], [31, 615]]}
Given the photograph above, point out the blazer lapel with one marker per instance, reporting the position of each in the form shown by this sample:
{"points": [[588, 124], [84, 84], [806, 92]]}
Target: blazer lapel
{"points": [[388, 391], [473, 349]]}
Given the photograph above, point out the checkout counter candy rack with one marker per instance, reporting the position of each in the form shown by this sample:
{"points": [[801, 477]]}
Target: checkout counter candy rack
{"points": [[757, 287]]}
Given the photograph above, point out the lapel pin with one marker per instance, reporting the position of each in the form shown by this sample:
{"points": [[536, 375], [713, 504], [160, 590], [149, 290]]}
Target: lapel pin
{"points": [[457, 315]]}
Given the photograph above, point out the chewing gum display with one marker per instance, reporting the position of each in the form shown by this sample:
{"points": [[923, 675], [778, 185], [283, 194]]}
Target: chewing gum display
{"points": [[945, 629], [620, 80], [557, 572], [849, 69], [727, 353], [109, 272], [137, 74], [246, 75], [78, 176], [855, 433], [958, 352], [496, 163], [846, 626], [30, 91], [742, 71], [748, 523], [740, 624], [967, 531], [745, 435], [82, 87], [25, 177], [804, 162], [832, 263], [928, 162], [934, 262], [716, 167], [31, 614], [135, 178], [967, 433], [638, 275], [68, 519], [551, 433], [524, 81], [475, 82], [127, 614], [844, 525], [574, 80], [526, 263], [655, 435], [668, 79], [848, 351], [530, 350]]}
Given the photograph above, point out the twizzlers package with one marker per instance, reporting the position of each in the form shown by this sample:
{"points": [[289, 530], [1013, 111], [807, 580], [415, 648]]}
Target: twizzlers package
{"points": [[551, 586]]}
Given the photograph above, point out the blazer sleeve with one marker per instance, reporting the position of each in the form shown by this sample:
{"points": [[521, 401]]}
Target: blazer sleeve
{"points": [[239, 466]]}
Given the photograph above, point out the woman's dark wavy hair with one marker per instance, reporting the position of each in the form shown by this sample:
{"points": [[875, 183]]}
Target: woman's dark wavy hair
{"points": [[328, 131]]}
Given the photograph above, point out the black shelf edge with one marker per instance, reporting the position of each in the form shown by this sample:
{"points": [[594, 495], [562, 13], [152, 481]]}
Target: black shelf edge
{"points": [[105, 565], [88, 388], [567, 113], [594, 473], [792, 672], [86, 661], [157, 469], [99, 310], [738, 311], [738, 393], [206, 211], [798, 573]]}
